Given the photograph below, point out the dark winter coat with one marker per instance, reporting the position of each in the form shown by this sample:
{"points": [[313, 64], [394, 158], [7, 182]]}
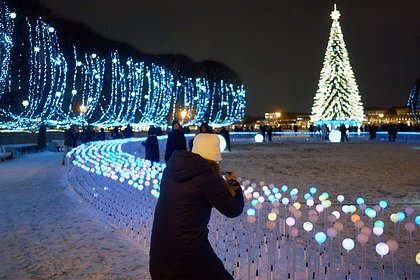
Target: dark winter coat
{"points": [[176, 141], [179, 245], [69, 138], [152, 148]]}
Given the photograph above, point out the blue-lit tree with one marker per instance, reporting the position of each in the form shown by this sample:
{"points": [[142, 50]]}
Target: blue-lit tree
{"points": [[66, 85], [413, 103]]}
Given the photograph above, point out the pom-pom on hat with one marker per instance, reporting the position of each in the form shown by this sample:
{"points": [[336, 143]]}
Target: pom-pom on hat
{"points": [[207, 146]]}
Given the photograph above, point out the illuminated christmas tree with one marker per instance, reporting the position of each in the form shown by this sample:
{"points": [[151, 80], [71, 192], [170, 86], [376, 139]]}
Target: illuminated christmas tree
{"points": [[413, 103], [337, 99]]}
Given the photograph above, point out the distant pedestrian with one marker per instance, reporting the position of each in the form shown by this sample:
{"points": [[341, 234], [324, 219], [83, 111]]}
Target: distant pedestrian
{"points": [[392, 133], [263, 130], [69, 142], [176, 140], [270, 133], [343, 130], [225, 133], [151, 145], [204, 128], [324, 132], [128, 132], [295, 128], [101, 136]]}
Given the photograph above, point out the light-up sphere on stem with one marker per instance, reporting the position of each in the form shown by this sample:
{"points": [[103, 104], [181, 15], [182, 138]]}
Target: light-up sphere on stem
{"points": [[250, 212], [379, 223], [222, 142], [409, 210], [418, 258], [340, 198], [336, 214], [348, 244], [310, 202], [394, 218], [382, 249], [366, 230], [251, 219], [270, 225], [355, 217], [272, 216], [417, 220], [360, 200], [332, 232], [362, 238], [401, 216], [259, 138], [334, 136], [378, 231], [293, 232], [338, 226], [313, 190], [392, 244], [284, 188], [308, 226], [320, 237], [383, 204], [410, 227], [290, 221]]}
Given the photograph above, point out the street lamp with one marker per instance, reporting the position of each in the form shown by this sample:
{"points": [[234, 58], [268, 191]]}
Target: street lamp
{"points": [[183, 115]]}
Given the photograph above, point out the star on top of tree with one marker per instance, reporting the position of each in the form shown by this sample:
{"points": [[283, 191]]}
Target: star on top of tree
{"points": [[335, 15]]}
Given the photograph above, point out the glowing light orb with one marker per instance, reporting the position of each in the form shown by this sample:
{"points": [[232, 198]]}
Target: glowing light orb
{"points": [[307, 196], [320, 237], [359, 224], [319, 208], [338, 226], [284, 188], [331, 218], [272, 216], [370, 213], [332, 232], [392, 245], [270, 225], [313, 190], [345, 209], [285, 201], [401, 216], [297, 205], [261, 199], [94, 55], [382, 249], [352, 209], [308, 226], [336, 214], [360, 200], [276, 203], [335, 136], [394, 218], [362, 238], [417, 220], [366, 230], [223, 144], [340, 198], [348, 244], [255, 194], [409, 210], [326, 203], [250, 212], [383, 204], [355, 217], [258, 206], [378, 231], [294, 191], [410, 227], [321, 197], [259, 138], [51, 29], [13, 15], [251, 219], [290, 221], [310, 202], [418, 258], [379, 223]]}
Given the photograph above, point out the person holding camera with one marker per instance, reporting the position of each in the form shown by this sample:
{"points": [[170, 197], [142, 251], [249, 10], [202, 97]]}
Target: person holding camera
{"points": [[191, 186]]}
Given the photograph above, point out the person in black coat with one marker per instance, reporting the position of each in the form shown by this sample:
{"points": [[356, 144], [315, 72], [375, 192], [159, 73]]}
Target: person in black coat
{"points": [[225, 133], [151, 145], [176, 140], [191, 186]]}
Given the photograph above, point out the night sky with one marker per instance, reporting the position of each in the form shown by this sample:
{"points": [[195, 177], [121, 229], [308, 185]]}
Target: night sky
{"points": [[277, 47]]}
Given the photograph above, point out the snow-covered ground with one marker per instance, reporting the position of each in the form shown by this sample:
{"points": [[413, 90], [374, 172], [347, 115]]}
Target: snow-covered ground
{"points": [[48, 232]]}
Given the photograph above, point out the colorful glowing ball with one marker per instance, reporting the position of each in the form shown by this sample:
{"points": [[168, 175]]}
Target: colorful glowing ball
{"points": [[293, 232], [261, 199], [336, 214], [331, 218], [259, 138], [360, 200], [340, 198], [332, 232], [334, 136], [359, 224], [319, 208], [377, 208], [326, 203], [370, 213], [321, 197], [392, 245], [348, 244], [270, 225], [382, 249], [307, 196], [352, 208], [254, 202], [258, 206], [345, 209], [285, 201], [272, 216], [255, 194], [410, 227], [320, 237], [383, 204], [290, 221], [379, 223], [338, 226], [308, 226], [250, 212], [251, 219], [275, 210], [378, 231], [355, 217], [401, 216], [222, 142], [294, 191], [310, 202], [418, 258], [417, 220], [362, 238], [297, 205], [284, 188], [366, 230], [276, 203], [313, 190], [394, 218], [409, 210]]}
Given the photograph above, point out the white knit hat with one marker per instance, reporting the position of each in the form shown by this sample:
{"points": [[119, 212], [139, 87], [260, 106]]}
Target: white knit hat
{"points": [[208, 146]]}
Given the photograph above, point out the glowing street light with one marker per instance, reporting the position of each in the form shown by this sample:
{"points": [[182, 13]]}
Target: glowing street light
{"points": [[278, 114], [82, 109]]}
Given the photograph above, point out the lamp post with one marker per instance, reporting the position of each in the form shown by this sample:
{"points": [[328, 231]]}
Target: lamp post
{"points": [[25, 103], [183, 115], [82, 109]]}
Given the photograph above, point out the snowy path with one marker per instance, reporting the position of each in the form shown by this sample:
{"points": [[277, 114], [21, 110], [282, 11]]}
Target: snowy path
{"points": [[48, 233]]}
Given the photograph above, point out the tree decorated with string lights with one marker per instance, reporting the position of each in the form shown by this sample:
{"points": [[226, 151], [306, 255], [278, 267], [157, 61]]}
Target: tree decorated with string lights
{"points": [[337, 99], [413, 103]]}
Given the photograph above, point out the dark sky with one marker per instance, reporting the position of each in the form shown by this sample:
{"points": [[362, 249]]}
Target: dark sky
{"points": [[277, 47]]}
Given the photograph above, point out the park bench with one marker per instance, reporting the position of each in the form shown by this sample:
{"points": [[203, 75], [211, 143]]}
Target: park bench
{"points": [[4, 154], [17, 149]]}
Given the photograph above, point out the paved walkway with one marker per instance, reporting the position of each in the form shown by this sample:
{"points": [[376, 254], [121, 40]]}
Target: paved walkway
{"points": [[46, 232]]}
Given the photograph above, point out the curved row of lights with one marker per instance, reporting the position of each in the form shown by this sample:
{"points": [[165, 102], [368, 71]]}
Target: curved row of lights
{"points": [[62, 90]]}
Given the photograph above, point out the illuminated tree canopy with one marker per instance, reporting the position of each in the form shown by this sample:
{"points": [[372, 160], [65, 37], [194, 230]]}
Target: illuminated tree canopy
{"points": [[46, 81]]}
